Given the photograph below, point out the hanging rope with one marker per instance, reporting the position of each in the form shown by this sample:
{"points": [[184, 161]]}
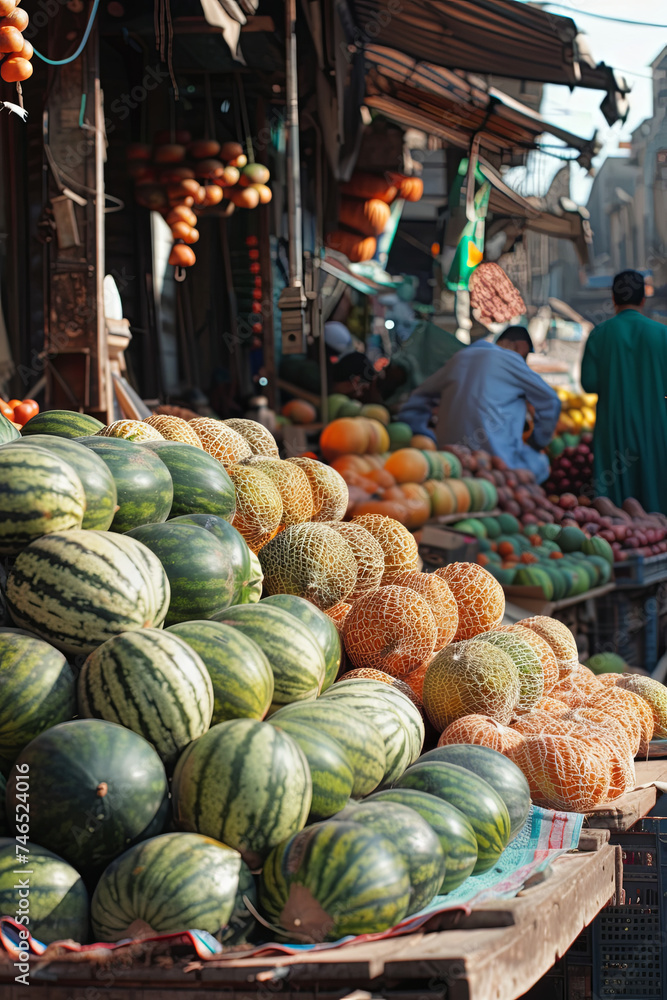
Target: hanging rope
{"points": [[84, 41], [164, 38]]}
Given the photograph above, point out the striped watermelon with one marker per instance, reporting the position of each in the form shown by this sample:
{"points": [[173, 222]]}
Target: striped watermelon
{"points": [[37, 690], [320, 625], [62, 423], [96, 479], [361, 741], [201, 483], [474, 797], [456, 835], [410, 714], [501, 773], [200, 574], [151, 682], [330, 769], [57, 906], [143, 484], [238, 554], [290, 647], [334, 879], [7, 430], [95, 788], [413, 838], [240, 672], [252, 592], [78, 588], [245, 783], [39, 494], [171, 883]]}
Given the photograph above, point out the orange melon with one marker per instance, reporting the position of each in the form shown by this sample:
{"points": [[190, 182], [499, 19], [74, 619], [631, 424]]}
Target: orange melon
{"points": [[220, 440], [259, 507], [344, 436], [329, 489], [407, 465], [470, 678], [391, 630], [368, 554], [479, 597], [440, 600], [397, 543], [174, 429], [293, 485]]}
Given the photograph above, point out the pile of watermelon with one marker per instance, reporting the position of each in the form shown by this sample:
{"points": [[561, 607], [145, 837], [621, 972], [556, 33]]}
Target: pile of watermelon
{"points": [[174, 751]]}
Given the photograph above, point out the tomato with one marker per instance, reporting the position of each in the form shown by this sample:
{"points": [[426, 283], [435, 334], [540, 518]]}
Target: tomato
{"points": [[23, 413], [32, 403], [6, 410], [13, 403]]}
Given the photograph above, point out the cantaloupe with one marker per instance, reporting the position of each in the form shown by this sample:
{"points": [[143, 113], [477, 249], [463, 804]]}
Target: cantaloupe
{"points": [[481, 731], [312, 561], [559, 637], [654, 693], [440, 600], [531, 677], [478, 595], [368, 554], [329, 489], [221, 441], [391, 630], [397, 543], [293, 485], [174, 429], [259, 508], [338, 614], [131, 430], [259, 437], [563, 772], [543, 650], [470, 678]]}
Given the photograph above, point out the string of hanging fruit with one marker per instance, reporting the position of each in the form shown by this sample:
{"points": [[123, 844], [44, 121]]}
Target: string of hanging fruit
{"points": [[180, 178], [365, 211], [15, 51]]}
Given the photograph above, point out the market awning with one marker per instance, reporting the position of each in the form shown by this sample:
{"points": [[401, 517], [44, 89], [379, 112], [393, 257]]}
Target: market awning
{"points": [[498, 37], [457, 106]]}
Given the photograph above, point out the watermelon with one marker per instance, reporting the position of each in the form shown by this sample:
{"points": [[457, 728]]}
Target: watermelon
{"points": [[245, 783], [454, 831], [508, 524], [153, 683], [605, 571], [330, 770], [290, 647], [7, 430], [62, 423], [597, 546], [414, 839], [252, 591], [37, 690], [171, 883], [322, 627], [361, 741], [201, 483], [95, 788], [201, 577], [39, 494], [499, 771], [143, 484], [238, 554], [334, 879], [96, 479], [57, 906], [535, 576], [474, 797], [571, 539], [78, 588], [453, 464], [240, 672]]}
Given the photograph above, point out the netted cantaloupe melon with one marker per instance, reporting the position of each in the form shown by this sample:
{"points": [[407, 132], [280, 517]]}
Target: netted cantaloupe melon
{"points": [[440, 600], [338, 614], [479, 597], [293, 485], [174, 429], [259, 508], [470, 678], [391, 630], [552, 705], [368, 554], [259, 437], [531, 678], [330, 492], [541, 647], [221, 441], [633, 710], [131, 430], [480, 730], [312, 561], [415, 679], [563, 772], [371, 674], [654, 693], [397, 543], [560, 639]]}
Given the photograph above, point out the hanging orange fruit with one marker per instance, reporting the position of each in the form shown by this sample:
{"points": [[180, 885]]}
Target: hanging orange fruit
{"points": [[15, 70], [182, 256], [11, 39]]}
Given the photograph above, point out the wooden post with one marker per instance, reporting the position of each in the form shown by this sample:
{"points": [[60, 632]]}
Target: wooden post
{"points": [[75, 339]]}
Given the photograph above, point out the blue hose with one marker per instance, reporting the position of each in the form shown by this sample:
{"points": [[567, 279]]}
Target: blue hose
{"points": [[84, 41]]}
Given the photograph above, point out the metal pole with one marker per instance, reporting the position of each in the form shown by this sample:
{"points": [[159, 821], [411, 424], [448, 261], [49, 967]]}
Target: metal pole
{"points": [[293, 157]]}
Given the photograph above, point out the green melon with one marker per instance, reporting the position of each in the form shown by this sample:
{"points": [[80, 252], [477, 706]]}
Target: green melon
{"points": [[571, 539], [550, 532], [289, 645], [474, 797], [171, 883], [435, 470], [453, 830], [492, 527], [416, 842], [477, 493], [78, 588], [597, 546], [151, 682], [535, 576], [453, 463], [252, 591], [334, 403], [62, 423], [471, 526], [238, 554], [57, 906], [400, 435], [505, 576], [490, 493], [556, 447], [143, 484], [334, 879], [330, 769], [508, 524], [558, 580], [360, 740], [95, 788], [201, 483], [201, 576], [240, 672], [607, 663], [244, 783], [7, 430], [322, 627], [605, 571], [37, 690]]}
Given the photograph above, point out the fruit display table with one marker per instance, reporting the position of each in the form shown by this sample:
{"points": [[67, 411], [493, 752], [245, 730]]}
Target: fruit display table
{"points": [[499, 949], [622, 814]]}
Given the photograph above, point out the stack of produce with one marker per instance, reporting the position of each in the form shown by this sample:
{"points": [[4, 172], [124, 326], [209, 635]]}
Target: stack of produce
{"points": [[15, 51], [364, 211], [571, 459], [19, 411], [577, 412], [181, 177], [628, 529]]}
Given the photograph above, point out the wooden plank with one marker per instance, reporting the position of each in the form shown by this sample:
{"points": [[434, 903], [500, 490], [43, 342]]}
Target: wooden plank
{"points": [[626, 811]]}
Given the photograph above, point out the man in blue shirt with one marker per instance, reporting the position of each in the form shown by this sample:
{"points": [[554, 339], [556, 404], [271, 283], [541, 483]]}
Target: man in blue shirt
{"points": [[482, 395]]}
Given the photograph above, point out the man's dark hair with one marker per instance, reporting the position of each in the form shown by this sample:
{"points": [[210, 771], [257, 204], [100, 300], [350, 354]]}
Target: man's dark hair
{"points": [[517, 333], [628, 288], [354, 366]]}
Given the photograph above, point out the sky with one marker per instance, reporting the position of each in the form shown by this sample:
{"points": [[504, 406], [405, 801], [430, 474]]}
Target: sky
{"points": [[628, 48]]}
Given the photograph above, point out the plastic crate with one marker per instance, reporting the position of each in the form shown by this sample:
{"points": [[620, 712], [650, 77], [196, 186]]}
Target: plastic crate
{"points": [[640, 571], [628, 624]]}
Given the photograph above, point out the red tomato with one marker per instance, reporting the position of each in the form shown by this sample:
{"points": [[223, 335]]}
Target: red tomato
{"points": [[6, 410], [23, 413], [29, 406], [13, 403]]}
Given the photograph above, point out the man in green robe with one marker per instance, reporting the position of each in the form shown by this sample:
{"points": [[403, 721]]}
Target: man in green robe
{"points": [[625, 363]]}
